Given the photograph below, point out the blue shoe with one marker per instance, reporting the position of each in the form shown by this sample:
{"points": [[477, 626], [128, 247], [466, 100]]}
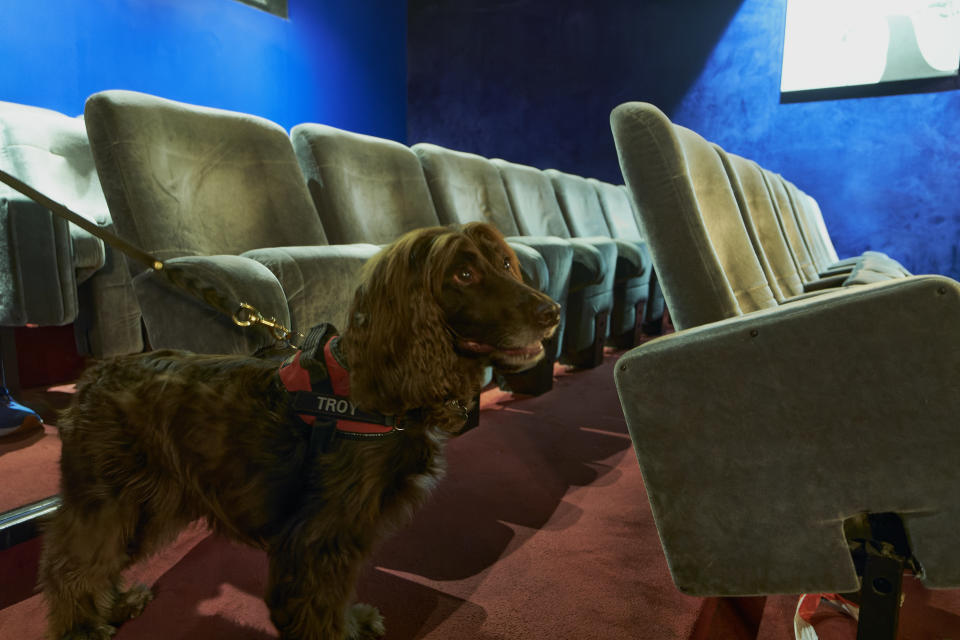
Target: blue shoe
{"points": [[14, 416]]}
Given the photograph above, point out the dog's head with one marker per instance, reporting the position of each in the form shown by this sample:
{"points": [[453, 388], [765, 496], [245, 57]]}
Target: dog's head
{"points": [[490, 312], [439, 302]]}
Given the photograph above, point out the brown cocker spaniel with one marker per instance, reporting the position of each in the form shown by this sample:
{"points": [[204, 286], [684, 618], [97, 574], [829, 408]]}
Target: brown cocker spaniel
{"points": [[154, 441]]}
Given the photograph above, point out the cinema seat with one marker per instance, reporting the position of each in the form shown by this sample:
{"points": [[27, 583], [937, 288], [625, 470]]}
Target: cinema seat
{"points": [[218, 196], [583, 213], [53, 272], [821, 430], [590, 300], [763, 226]]}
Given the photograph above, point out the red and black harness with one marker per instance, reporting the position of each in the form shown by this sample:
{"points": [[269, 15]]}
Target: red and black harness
{"points": [[321, 399]]}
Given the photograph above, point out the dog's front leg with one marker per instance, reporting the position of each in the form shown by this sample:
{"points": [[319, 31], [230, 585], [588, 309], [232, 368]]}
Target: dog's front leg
{"points": [[309, 593]]}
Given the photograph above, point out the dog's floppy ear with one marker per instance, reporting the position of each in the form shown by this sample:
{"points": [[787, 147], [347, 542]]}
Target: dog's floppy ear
{"points": [[399, 349]]}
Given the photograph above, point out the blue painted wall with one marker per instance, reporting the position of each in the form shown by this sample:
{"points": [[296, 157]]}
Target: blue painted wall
{"points": [[882, 168], [339, 63], [534, 81]]}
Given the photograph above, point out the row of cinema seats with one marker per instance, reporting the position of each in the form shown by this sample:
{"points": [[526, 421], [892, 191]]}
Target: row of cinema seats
{"points": [[284, 222], [803, 399]]}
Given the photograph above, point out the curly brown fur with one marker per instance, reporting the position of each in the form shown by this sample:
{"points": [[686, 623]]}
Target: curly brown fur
{"points": [[154, 441]]}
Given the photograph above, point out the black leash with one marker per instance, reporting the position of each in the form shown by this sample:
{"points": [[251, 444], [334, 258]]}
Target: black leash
{"points": [[241, 313]]}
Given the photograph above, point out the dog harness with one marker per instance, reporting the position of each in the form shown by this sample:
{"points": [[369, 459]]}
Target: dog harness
{"points": [[323, 402]]}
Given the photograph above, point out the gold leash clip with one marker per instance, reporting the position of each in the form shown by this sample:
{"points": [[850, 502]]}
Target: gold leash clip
{"points": [[247, 315]]}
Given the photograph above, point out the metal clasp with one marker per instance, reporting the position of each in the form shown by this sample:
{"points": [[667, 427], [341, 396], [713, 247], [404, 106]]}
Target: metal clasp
{"points": [[248, 315]]}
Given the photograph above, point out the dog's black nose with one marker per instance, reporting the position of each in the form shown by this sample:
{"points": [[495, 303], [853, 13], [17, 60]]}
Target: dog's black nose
{"points": [[548, 313]]}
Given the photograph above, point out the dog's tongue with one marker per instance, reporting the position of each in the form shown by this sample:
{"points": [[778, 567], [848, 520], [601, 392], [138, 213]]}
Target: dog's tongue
{"points": [[524, 351], [478, 347]]}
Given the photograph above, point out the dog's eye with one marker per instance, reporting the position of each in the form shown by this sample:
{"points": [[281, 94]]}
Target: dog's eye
{"points": [[463, 275], [507, 264]]}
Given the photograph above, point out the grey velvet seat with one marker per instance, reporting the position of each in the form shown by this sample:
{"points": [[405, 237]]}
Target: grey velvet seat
{"points": [[466, 187], [590, 300], [218, 194], [583, 211], [774, 429], [53, 272], [705, 261]]}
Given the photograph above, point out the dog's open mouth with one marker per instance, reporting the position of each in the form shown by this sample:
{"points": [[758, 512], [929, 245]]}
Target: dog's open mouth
{"points": [[511, 357]]}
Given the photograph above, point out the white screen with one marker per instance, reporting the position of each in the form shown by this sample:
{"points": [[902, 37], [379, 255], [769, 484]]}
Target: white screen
{"points": [[841, 43]]}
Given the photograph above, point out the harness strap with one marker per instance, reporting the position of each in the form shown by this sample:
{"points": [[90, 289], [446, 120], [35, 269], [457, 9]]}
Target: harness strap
{"points": [[296, 379], [339, 376], [331, 401]]}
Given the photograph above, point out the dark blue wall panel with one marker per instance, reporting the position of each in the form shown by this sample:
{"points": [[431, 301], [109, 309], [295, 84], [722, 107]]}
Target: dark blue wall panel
{"points": [[340, 63], [534, 81]]}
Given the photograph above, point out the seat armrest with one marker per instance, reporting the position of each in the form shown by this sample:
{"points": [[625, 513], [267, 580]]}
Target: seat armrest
{"points": [[633, 260], [532, 266], [318, 281], [865, 271], [175, 319], [835, 271], [557, 254], [592, 259], [829, 282], [89, 253], [758, 435]]}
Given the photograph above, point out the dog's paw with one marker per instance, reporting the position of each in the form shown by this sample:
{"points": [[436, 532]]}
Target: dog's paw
{"points": [[364, 622], [130, 603], [98, 632]]}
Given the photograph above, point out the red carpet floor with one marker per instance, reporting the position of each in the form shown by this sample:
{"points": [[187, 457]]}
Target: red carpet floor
{"points": [[541, 530]]}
